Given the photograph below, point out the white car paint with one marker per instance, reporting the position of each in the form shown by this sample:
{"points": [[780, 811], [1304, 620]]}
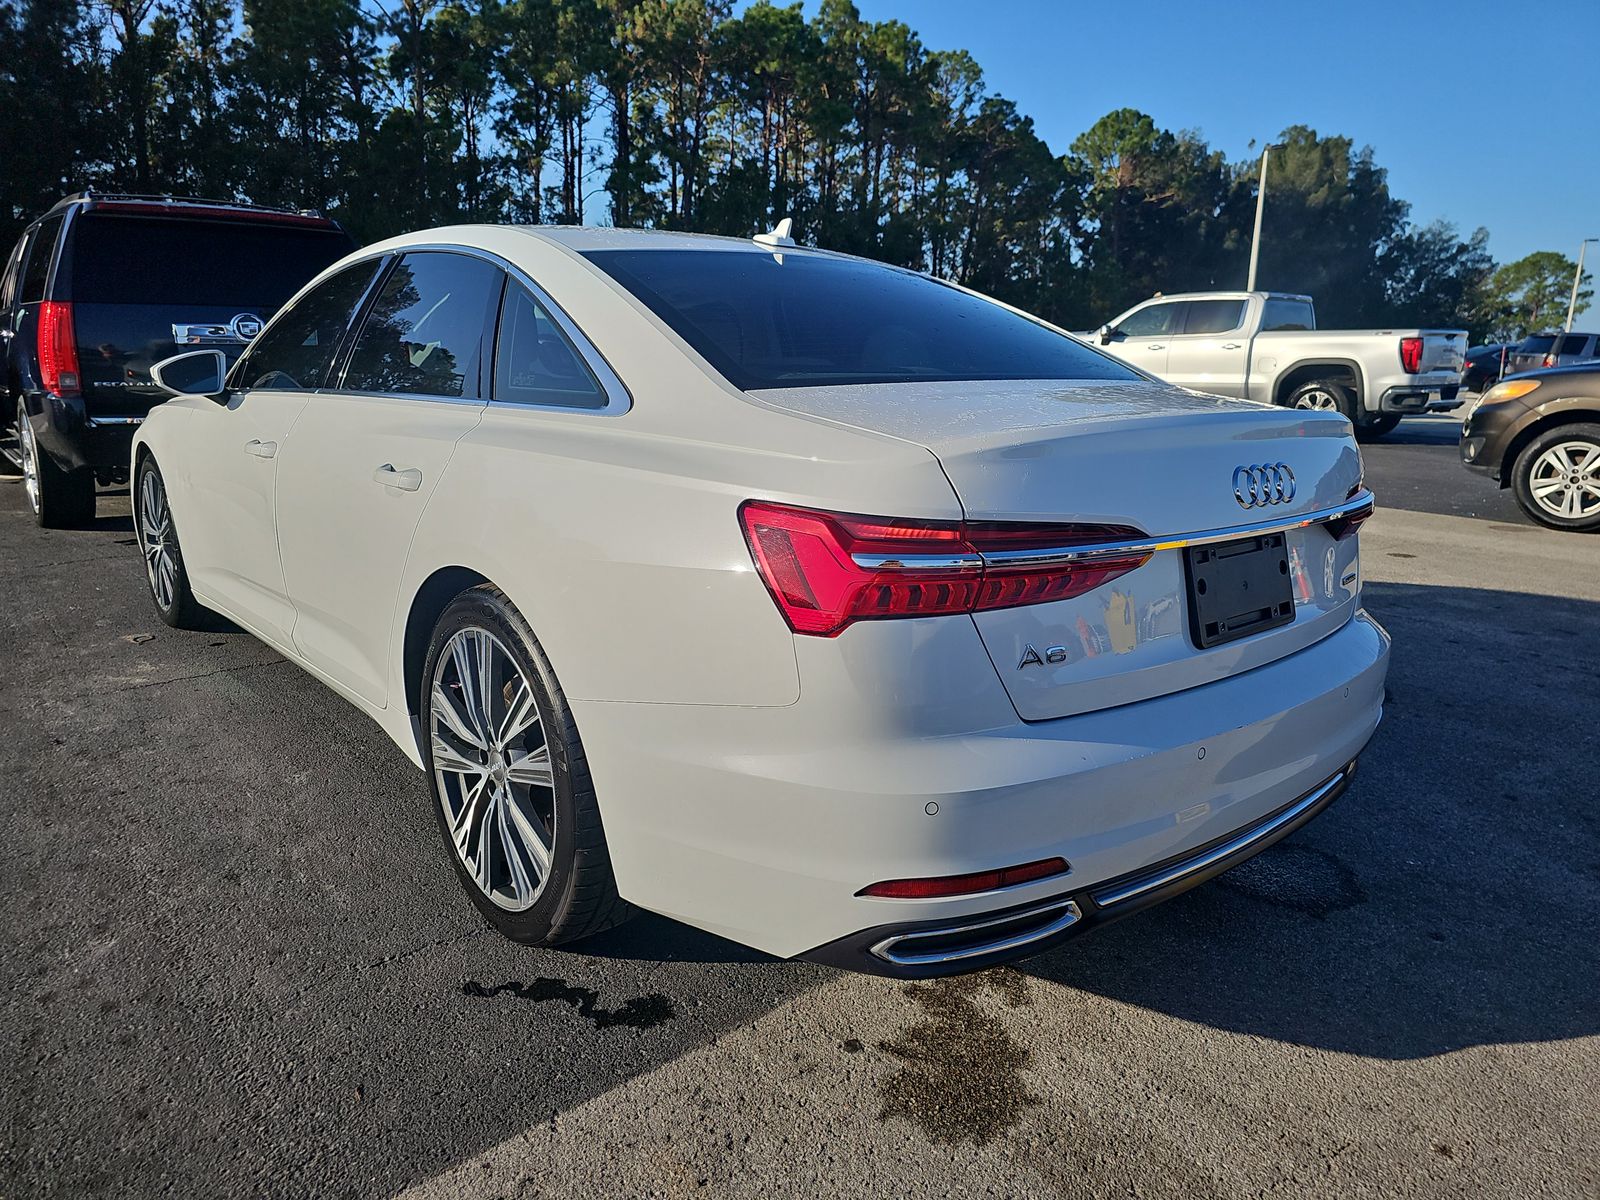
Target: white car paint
{"points": [[753, 780]]}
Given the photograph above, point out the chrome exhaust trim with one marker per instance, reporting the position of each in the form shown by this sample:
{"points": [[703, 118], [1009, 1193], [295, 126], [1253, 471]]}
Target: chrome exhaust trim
{"points": [[901, 948]]}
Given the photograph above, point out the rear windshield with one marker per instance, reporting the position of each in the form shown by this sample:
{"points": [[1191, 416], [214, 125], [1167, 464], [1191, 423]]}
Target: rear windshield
{"points": [[119, 259], [1536, 344], [812, 320]]}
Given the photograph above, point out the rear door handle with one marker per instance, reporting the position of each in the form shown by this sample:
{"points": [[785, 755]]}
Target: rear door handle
{"points": [[261, 449], [406, 481], [1231, 346]]}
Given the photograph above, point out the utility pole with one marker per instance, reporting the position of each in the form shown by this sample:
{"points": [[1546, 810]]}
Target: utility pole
{"points": [[1577, 278], [1261, 203]]}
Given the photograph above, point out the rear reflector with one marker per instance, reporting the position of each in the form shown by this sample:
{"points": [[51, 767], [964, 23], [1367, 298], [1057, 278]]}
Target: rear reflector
{"points": [[965, 885], [1411, 355], [826, 570], [58, 349]]}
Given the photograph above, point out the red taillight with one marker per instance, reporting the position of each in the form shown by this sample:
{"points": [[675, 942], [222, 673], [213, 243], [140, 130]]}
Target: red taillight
{"points": [[1346, 526], [1411, 355], [965, 885], [826, 570], [58, 349]]}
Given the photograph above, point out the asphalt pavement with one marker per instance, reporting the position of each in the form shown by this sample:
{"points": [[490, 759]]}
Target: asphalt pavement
{"points": [[238, 963]]}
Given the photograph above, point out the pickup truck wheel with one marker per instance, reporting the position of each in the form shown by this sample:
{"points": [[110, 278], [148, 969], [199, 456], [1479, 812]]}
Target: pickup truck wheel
{"points": [[1556, 478], [1324, 396], [59, 499], [1374, 428]]}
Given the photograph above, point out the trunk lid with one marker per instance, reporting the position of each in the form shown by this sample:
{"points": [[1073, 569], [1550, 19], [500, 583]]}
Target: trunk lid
{"points": [[1143, 454]]}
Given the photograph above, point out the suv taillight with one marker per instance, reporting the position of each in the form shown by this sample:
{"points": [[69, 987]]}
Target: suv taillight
{"points": [[58, 349], [1411, 355], [826, 570]]}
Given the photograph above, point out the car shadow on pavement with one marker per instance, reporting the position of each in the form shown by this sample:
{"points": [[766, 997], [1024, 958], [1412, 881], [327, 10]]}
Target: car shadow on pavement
{"points": [[1449, 898]]}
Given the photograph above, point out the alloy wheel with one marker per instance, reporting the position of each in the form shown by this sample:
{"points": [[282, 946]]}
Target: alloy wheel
{"points": [[1565, 480], [29, 449], [492, 768], [157, 540], [1317, 398]]}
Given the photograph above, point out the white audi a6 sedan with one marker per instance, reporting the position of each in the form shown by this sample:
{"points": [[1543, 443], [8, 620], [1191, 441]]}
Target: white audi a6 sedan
{"points": [[814, 602]]}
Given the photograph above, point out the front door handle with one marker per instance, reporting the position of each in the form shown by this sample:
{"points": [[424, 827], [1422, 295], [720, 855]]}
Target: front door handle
{"points": [[1155, 347], [405, 481], [261, 449], [1231, 346]]}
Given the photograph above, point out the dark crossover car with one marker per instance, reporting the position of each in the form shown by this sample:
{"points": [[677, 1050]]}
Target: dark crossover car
{"points": [[1552, 350], [1484, 366], [103, 286], [1539, 435]]}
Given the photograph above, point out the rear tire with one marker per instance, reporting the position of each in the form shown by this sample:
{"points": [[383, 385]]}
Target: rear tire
{"points": [[1374, 428], [510, 782], [1323, 395], [59, 499], [1556, 478]]}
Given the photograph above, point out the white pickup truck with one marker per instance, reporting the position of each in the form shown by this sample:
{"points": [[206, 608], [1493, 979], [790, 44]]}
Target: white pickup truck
{"points": [[1266, 346]]}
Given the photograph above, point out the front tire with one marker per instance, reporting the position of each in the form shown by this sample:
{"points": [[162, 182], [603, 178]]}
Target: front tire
{"points": [[1556, 478], [163, 558], [511, 787], [59, 499]]}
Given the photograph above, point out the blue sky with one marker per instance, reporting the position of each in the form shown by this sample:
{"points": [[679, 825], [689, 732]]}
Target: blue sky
{"points": [[1483, 114]]}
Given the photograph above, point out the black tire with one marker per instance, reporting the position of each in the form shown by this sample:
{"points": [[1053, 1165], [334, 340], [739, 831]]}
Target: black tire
{"points": [[1531, 470], [577, 895], [1323, 395], [165, 573], [1374, 428], [59, 499]]}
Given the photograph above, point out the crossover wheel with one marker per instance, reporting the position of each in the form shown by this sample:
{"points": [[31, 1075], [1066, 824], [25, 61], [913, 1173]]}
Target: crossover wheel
{"points": [[1556, 478], [163, 558], [59, 499], [510, 782]]}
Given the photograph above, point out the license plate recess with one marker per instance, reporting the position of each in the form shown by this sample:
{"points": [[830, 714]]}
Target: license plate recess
{"points": [[1238, 588]]}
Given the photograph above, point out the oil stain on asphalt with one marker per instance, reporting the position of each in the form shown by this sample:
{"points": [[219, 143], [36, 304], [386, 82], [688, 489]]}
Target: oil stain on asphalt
{"points": [[962, 1073], [640, 1012], [1303, 878]]}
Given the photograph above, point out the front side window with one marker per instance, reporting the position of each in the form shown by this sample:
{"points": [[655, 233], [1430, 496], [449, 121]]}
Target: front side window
{"points": [[1287, 315], [535, 363], [296, 352], [425, 332], [37, 272], [1156, 321], [1214, 316], [808, 320]]}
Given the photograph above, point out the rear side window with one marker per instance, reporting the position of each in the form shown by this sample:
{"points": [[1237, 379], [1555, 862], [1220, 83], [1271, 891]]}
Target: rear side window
{"points": [[1575, 343], [807, 320], [36, 274], [1536, 343], [1214, 316], [296, 352], [535, 363], [8, 279], [1287, 316], [250, 266], [1155, 321], [425, 332]]}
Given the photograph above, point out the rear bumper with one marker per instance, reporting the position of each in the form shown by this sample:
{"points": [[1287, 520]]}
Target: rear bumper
{"points": [[763, 824], [77, 440], [1420, 399], [927, 949]]}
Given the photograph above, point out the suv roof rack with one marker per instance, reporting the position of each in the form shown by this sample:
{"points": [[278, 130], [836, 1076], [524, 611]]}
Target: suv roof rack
{"points": [[179, 203]]}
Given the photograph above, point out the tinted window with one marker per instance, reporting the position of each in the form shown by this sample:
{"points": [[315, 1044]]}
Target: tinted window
{"points": [[1287, 315], [813, 319], [296, 352], [534, 361], [1575, 343], [249, 266], [1154, 321], [8, 281], [1536, 343], [37, 272], [424, 334], [1214, 316]]}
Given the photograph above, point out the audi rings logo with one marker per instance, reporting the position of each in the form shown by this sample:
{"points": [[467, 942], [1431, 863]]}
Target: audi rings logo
{"points": [[245, 326], [1263, 484]]}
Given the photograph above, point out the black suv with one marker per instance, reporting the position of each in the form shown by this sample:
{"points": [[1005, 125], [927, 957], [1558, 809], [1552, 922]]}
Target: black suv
{"points": [[103, 286]]}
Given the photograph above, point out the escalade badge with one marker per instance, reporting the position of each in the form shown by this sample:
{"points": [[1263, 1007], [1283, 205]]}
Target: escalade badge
{"points": [[245, 326], [1262, 484]]}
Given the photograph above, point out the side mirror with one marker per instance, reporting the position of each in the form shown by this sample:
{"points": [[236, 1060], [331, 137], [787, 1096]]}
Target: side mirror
{"points": [[196, 373], [1105, 333]]}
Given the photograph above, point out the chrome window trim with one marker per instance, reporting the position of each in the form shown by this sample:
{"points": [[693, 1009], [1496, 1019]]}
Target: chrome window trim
{"points": [[1109, 897], [889, 948], [618, 399], [1358, 504]]}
